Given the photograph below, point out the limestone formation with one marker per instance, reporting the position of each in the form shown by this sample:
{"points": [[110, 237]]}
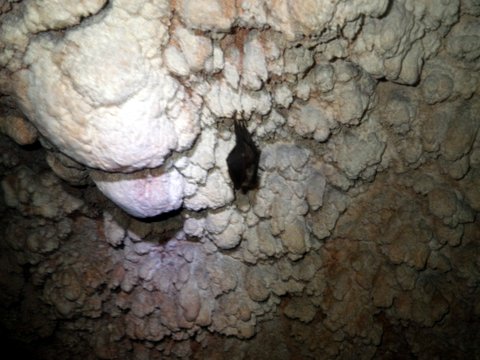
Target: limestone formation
{"points": [[122, 236]]}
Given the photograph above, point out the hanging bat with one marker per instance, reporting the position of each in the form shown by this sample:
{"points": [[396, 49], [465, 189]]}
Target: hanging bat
{"points": [[243, 160]]}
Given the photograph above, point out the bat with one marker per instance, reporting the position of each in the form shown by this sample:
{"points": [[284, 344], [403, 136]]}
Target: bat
{"points": [[243, 160]]}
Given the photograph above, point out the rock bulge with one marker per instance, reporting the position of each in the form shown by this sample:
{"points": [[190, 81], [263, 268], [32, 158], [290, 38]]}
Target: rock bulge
{"points": [[122, 236]]}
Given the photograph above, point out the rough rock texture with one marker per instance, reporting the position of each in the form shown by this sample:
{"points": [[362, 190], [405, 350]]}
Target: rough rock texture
{"points": [[121, 236]]}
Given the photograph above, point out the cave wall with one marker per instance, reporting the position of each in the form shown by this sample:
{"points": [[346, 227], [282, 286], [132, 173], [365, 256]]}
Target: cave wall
{"points": [[121, 236]]}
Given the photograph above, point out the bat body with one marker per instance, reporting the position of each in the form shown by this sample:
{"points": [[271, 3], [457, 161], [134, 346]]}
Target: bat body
{"points": [[243, 160]]}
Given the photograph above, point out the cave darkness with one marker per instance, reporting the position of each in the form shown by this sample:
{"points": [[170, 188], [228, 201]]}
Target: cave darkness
{"points": [[345, 224]]}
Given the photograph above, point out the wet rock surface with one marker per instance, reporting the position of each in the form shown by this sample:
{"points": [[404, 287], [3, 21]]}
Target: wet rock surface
{"points": [[121, 236]]}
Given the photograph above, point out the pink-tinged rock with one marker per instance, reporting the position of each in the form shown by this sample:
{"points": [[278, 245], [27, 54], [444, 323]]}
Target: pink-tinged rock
{"points": [[143, 194], [189, 299]]}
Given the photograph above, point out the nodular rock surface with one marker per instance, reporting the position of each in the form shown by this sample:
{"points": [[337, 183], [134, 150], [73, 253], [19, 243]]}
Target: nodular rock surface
{"points": [[121, 236]]}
